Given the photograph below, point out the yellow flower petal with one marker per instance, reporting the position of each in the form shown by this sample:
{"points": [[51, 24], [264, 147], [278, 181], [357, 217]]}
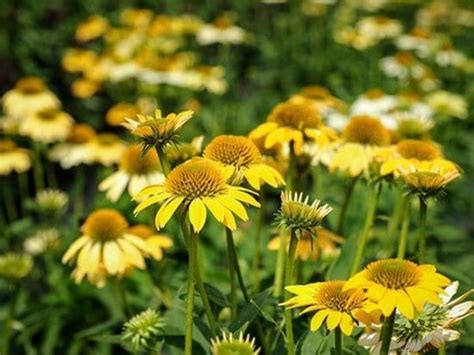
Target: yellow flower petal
{"points": [[333, 320], [197, 214], [318, 319], [166, 211]]}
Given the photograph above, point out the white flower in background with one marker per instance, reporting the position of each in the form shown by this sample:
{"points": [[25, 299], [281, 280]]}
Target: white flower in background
{"points": [[222, 30], [431, 328], [373, 103], [448, 56], [380, 27], [448, 104], [41, 241], [418, 40]]}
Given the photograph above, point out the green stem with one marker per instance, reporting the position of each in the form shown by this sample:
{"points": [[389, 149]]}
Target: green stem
{"points": [[338, 341], [345, 205], [165, 164], [38, 168], [422, 231], [51, 175], [280, 268], [258, 248], [442, 349], [402, 244], [397, 215], [232, 276], [9, 201], [7, 333], [387, 331], [122, 297], [79, 191], [289, 275], [188, 338], [24, 191], [369, 221]]}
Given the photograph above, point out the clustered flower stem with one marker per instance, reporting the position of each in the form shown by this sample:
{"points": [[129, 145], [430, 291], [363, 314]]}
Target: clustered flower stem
{"points": [[422, 231], [232, 276], [258, 248], [397, 215], [403, 241], [38, 168], [338, 341], [345, 205], [188, 334], [165, 164], [369, 221], [290, 262], [386, 335]]}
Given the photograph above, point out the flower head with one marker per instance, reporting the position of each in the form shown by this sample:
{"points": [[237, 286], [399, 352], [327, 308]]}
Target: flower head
{"points": [[142, 329], [179, 153], [243, 156], [366, 130], [52, 202], [199, 185], [48, 126], [13, 158], [156, 242], [412, 126], [116, 114], [400, 284], [157, 130], [15, 266], [91, 28], [41, 241], [332, 303], [105, 149], [297, 215], [227, 344]]}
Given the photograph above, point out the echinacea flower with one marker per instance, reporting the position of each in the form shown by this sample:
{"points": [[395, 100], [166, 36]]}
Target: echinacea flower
{"points": [[47, 126], [157, 131], [29, 95], [293, 123], [241, 154], [41, 241], [91, 28], [142, 329], [222, 30], [156, 242], [135, 170], [116, 115], [179, 153], [431, 328], [105, 248], [51, 201], [333, 305], [228, 344], [448, 104], [198, 185], [400, 284], [15, 266], [105, 149], [13, 158]]}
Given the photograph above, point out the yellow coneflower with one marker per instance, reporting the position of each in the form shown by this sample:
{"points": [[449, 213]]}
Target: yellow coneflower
{"points": [[400, 284], [91, 28], [15, 265], [241, 154], [361, 135], [135, 170], [156, 242], [116, 114], [333, 305], [74, 150], [105, 149], [84, 88], [198, 185], [77, 60], [142, 329], [13, 158], [105, 248], [29, 95], [179, 153], [325, 244], [47, 126], [293, 123], [320, 98], [136, 17], [228, 344]]}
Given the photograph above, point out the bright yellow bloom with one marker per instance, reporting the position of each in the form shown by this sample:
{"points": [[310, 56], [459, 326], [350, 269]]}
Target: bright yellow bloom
{"points": [[198, 185], [105, 248], [13, 158], [324, 244], [116, 114], [242, 155], [400, 284], [156, 242], [136, 170], [332, 303], [78, 60], [47, 126], [91, 28], [105, 149], [84, 88], [293, 123], [179, 153]]}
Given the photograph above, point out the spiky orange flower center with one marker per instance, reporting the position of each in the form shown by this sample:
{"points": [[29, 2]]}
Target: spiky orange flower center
{"points": [[315, 92], [366, 130], [421, 150], [393, 273], [134, 162], [30, 85], [222, 22], [299, 116], [81, 133], [405, 58], [233, 150], [141, 230], [196, 179], [105, 224], [7, 145], [332, 295], [48, 114]]}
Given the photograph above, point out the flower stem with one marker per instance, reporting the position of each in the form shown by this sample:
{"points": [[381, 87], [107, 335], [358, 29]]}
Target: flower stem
{"points": [[24, 191], [338, 341], [397, 215], [345, 205], [258, 248], [188, 338], [422, 231], [387, 331], [289, 273], [403, 241], [51, 175], [122, 297], [279, 270], [9, 201], [442, 349], [7, 332], [369, 221], [79, 181], [232, 276], [165, 164], [38, 168]]}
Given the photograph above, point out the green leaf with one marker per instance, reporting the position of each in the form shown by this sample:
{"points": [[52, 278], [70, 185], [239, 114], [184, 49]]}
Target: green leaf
{"points": [[249, 312], [314, 343], [341, 268], [216, 296]]}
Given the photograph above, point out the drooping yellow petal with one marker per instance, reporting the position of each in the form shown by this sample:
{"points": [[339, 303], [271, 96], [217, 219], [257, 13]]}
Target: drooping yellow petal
{"points": [[197, 214], [166, 211], [74, 248], [215, 208], [318, 319], [234, 205], [114, 261], [404, 304], [346, 324], [151, 201], [333, 320]]}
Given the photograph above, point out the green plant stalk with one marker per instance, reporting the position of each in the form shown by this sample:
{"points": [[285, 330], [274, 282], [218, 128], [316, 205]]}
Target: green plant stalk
{"points": [[387, 331], [403, 240], [345, 205], [369, 221], [258, 248], [422, 231], [38, 174], [338, 341], [7, 333], [188, 334], [165, 164], [51, 175], [9, 201], [279, 270], [442, 349], [397, 215], [24, 191], [232, 276], [122, 298], [79, 192], [289, 274]]}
